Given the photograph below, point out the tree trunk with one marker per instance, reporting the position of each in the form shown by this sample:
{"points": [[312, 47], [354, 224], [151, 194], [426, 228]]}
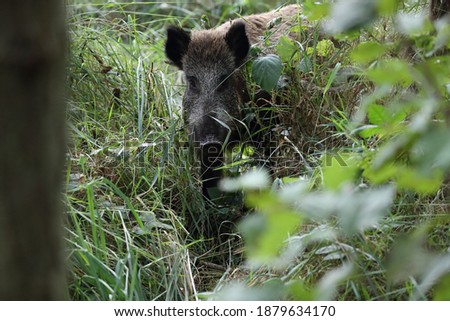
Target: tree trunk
{"points": [[32, 113], [439, 9]]}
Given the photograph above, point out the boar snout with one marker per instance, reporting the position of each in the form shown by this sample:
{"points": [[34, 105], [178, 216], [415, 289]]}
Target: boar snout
{"points": [[210, 130], [211, 162]]}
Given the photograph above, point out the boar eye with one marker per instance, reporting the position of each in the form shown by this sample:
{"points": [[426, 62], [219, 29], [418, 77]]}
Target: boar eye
{"points": [[192, 82], [223, 82]]}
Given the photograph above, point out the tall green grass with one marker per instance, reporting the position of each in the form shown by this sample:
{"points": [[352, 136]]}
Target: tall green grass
{"points": [[137, 225]]}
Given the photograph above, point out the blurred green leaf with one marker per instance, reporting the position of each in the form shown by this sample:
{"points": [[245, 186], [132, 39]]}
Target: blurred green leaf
{"points": [[408, 256], [377, 114], [366, 209], [381, 175], [412, 23], [367, 52], [428, 155], [389, 120], [356, 210], [328, 285], [408, 178], [393, 149], [250, 180], [266, 71], [252, 228], [273, 289], [387, 7], [391, 72], [442, 292], [349, 15], [368, 131], [442, 39], [299, 291], [339, 169], [415, 180], [290, 193], [438, 267], [315, 10], [267, 235], [432, 149], [438, 66]]}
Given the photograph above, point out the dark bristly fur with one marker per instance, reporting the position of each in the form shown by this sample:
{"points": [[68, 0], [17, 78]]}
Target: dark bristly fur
{"points": [[216, 89]]}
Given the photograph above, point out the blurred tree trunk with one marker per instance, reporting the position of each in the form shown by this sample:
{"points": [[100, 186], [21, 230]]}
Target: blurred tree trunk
{"points": [[32, 50], [439, 8]]}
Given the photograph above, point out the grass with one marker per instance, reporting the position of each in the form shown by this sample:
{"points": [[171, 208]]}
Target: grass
{"points": [[137, 225]]}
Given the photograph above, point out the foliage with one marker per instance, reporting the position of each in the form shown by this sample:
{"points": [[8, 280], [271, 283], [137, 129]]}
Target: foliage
{"points": [[266, 71], [402, 129], [357, 203]]}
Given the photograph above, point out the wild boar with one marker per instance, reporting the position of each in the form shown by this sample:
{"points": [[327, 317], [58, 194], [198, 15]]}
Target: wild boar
{"points": [[211, 61]]}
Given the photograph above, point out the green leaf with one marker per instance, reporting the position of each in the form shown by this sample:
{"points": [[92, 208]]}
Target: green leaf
{"points": [[327, 287], [422, 183], [409, 257], [255, 51], [393, 149], [266, 233], [364, 209], [305, 65], [339, 169], [273, 289], [299, 291], [391, 72], [377, 114], [350, 15], [249, 181], [325, 48], [411, 24], [380, 175], [331, 78], [367, 52], [442, 38], [442, 292], [266, 71], [432, 150], [387, 7], [286, 48], [368, 131], [407, 178], [439, 66], [356, 210], [315, 10]]}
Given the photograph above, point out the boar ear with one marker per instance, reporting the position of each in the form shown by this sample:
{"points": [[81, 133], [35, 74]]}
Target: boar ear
{"points": [[176, 45], [237, 41]]}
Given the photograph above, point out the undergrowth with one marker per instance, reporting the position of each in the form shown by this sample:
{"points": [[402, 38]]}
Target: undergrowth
{"points": [[138, 227]]}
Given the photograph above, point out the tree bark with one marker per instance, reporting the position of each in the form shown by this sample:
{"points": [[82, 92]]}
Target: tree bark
{"points": [[439, 9], [32, 114]]}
